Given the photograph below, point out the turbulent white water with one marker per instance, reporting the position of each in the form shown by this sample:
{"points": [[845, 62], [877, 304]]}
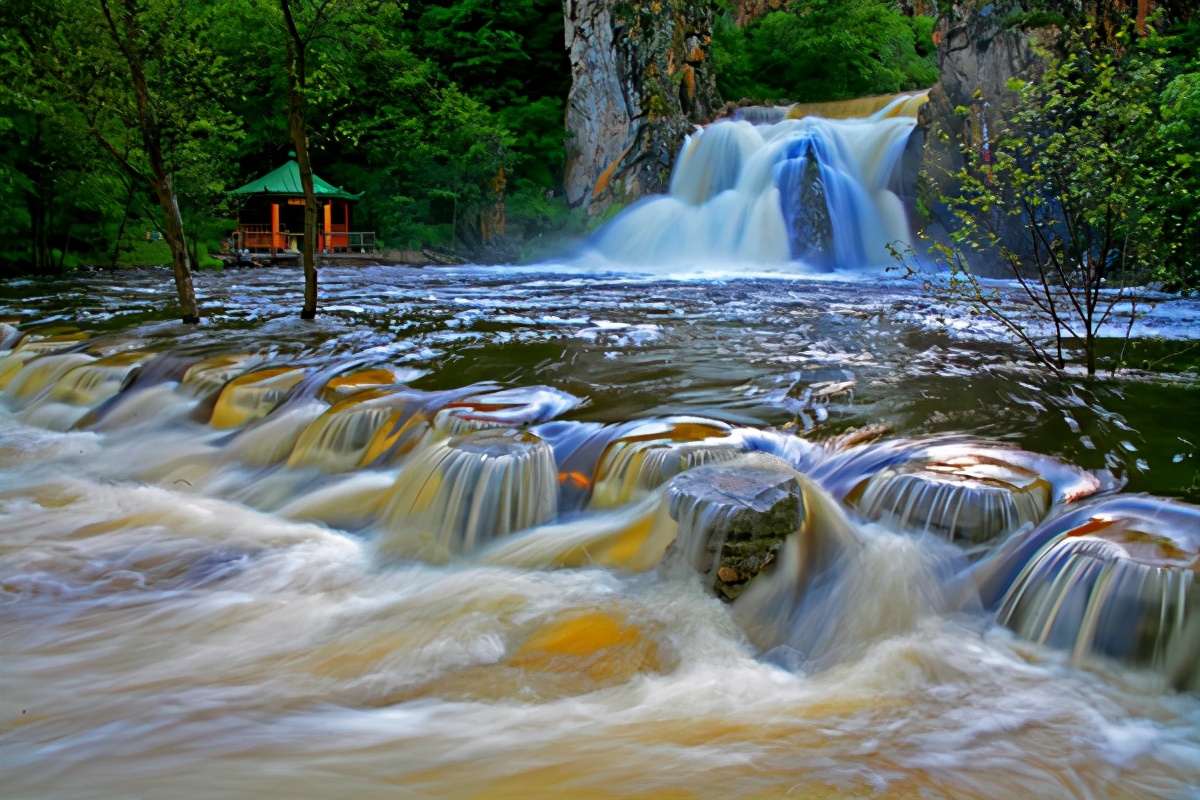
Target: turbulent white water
{"points": [[190, 609], [742, 193]]}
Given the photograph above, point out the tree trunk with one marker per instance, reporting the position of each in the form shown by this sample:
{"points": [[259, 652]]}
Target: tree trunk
{"points": [[164, 188], [160, 179], [62, 254], [298, 127], [121, 229]]}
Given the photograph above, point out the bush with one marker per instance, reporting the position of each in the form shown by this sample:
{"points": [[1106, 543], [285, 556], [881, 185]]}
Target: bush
{"points": [[819, 50]]}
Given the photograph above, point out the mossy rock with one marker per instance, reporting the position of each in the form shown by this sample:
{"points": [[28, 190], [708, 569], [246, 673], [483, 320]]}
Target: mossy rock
{"points": [[733, 518]]}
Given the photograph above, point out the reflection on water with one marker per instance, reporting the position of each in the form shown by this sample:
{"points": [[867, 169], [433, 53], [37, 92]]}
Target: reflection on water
{"points": [[465, 535]]}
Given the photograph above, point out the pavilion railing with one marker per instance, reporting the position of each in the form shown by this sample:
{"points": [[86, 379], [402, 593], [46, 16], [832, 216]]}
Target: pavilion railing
{"points": [[259, 238]]}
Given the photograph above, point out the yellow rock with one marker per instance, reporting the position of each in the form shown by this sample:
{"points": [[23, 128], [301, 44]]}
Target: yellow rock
{"points": [[347, 385], [251, 397], [210, 374]]}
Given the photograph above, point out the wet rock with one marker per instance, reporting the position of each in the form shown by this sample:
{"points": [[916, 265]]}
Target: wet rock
{"points": [[92, 383], [1115, 579], [810, 229], [207, 376], [977, 57], [464, 492], [345, 386], [361, 430], [646, 457], [733, 518], [8, 335], [641, 77], [40, 374], [251, 397]]}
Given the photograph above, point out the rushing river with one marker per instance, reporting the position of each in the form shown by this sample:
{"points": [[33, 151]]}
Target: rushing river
{"points": [[198, 603]]}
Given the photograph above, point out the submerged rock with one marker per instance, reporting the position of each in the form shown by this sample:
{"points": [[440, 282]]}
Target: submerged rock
{"points": [[647, 456], [1116, 579], [962, 491], [345, 386], [469, 490], [733, 518], [503, 408]]}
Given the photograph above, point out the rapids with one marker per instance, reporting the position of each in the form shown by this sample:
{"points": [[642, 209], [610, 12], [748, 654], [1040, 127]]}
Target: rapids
{"points": [[459, 536]]}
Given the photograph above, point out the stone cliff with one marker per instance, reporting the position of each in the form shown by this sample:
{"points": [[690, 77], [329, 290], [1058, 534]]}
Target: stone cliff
{"points": [[641, 78], [977, 57]]}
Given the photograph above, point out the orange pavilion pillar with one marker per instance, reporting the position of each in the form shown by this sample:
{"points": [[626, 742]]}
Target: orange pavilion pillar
{"points": [[328, 223], [274, 227]]}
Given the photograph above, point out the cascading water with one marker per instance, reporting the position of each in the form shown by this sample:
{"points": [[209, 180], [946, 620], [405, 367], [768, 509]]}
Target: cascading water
{"points": [[822, 192], [557, 554]]}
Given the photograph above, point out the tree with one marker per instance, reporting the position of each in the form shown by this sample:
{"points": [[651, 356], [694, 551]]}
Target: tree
{"points": [[141, 81], [1078, 163], [824, 50], [307, 24]]}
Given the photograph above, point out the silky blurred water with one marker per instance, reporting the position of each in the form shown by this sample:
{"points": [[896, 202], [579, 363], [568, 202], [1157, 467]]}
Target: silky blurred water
{"points": [[157, 641]]}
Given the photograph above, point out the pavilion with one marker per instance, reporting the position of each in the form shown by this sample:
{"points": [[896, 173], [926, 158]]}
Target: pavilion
{"points": [[272, 218]]}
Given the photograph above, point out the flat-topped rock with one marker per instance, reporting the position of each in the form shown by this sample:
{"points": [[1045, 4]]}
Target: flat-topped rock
{"points": [[733, 518]]}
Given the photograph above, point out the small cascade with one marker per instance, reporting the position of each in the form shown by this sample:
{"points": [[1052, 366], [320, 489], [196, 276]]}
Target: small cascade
{"points": [[40, 375], [251, 397], [644, 458], [967, 497], [463, 492], [778, 608], [84, 387], [769, 188], [93, 383], [209, 375], [962, 491], [1115, 578], [359, 431]]}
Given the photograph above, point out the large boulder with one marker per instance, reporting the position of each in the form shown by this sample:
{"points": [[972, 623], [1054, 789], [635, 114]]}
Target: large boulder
{"points": [[733, 518]]}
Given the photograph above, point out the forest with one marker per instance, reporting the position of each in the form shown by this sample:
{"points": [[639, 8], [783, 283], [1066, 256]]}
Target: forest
{"points": [[123, 123]]}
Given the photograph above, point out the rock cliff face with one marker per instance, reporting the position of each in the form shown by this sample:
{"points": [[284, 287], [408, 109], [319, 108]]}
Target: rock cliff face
{"points": [[977, 57], [641, 77]]}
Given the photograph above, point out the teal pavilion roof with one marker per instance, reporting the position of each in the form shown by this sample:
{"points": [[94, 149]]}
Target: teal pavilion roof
{"points": [[285, 181]]}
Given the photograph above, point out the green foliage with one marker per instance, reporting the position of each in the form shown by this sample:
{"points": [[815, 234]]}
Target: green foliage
{"points": [[423, 106], [818, 50], [1079, 163], [90, 137]]}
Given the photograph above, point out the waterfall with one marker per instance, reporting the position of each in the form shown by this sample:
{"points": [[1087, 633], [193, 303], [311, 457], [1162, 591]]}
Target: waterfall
{"points": [[768, 188]]}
